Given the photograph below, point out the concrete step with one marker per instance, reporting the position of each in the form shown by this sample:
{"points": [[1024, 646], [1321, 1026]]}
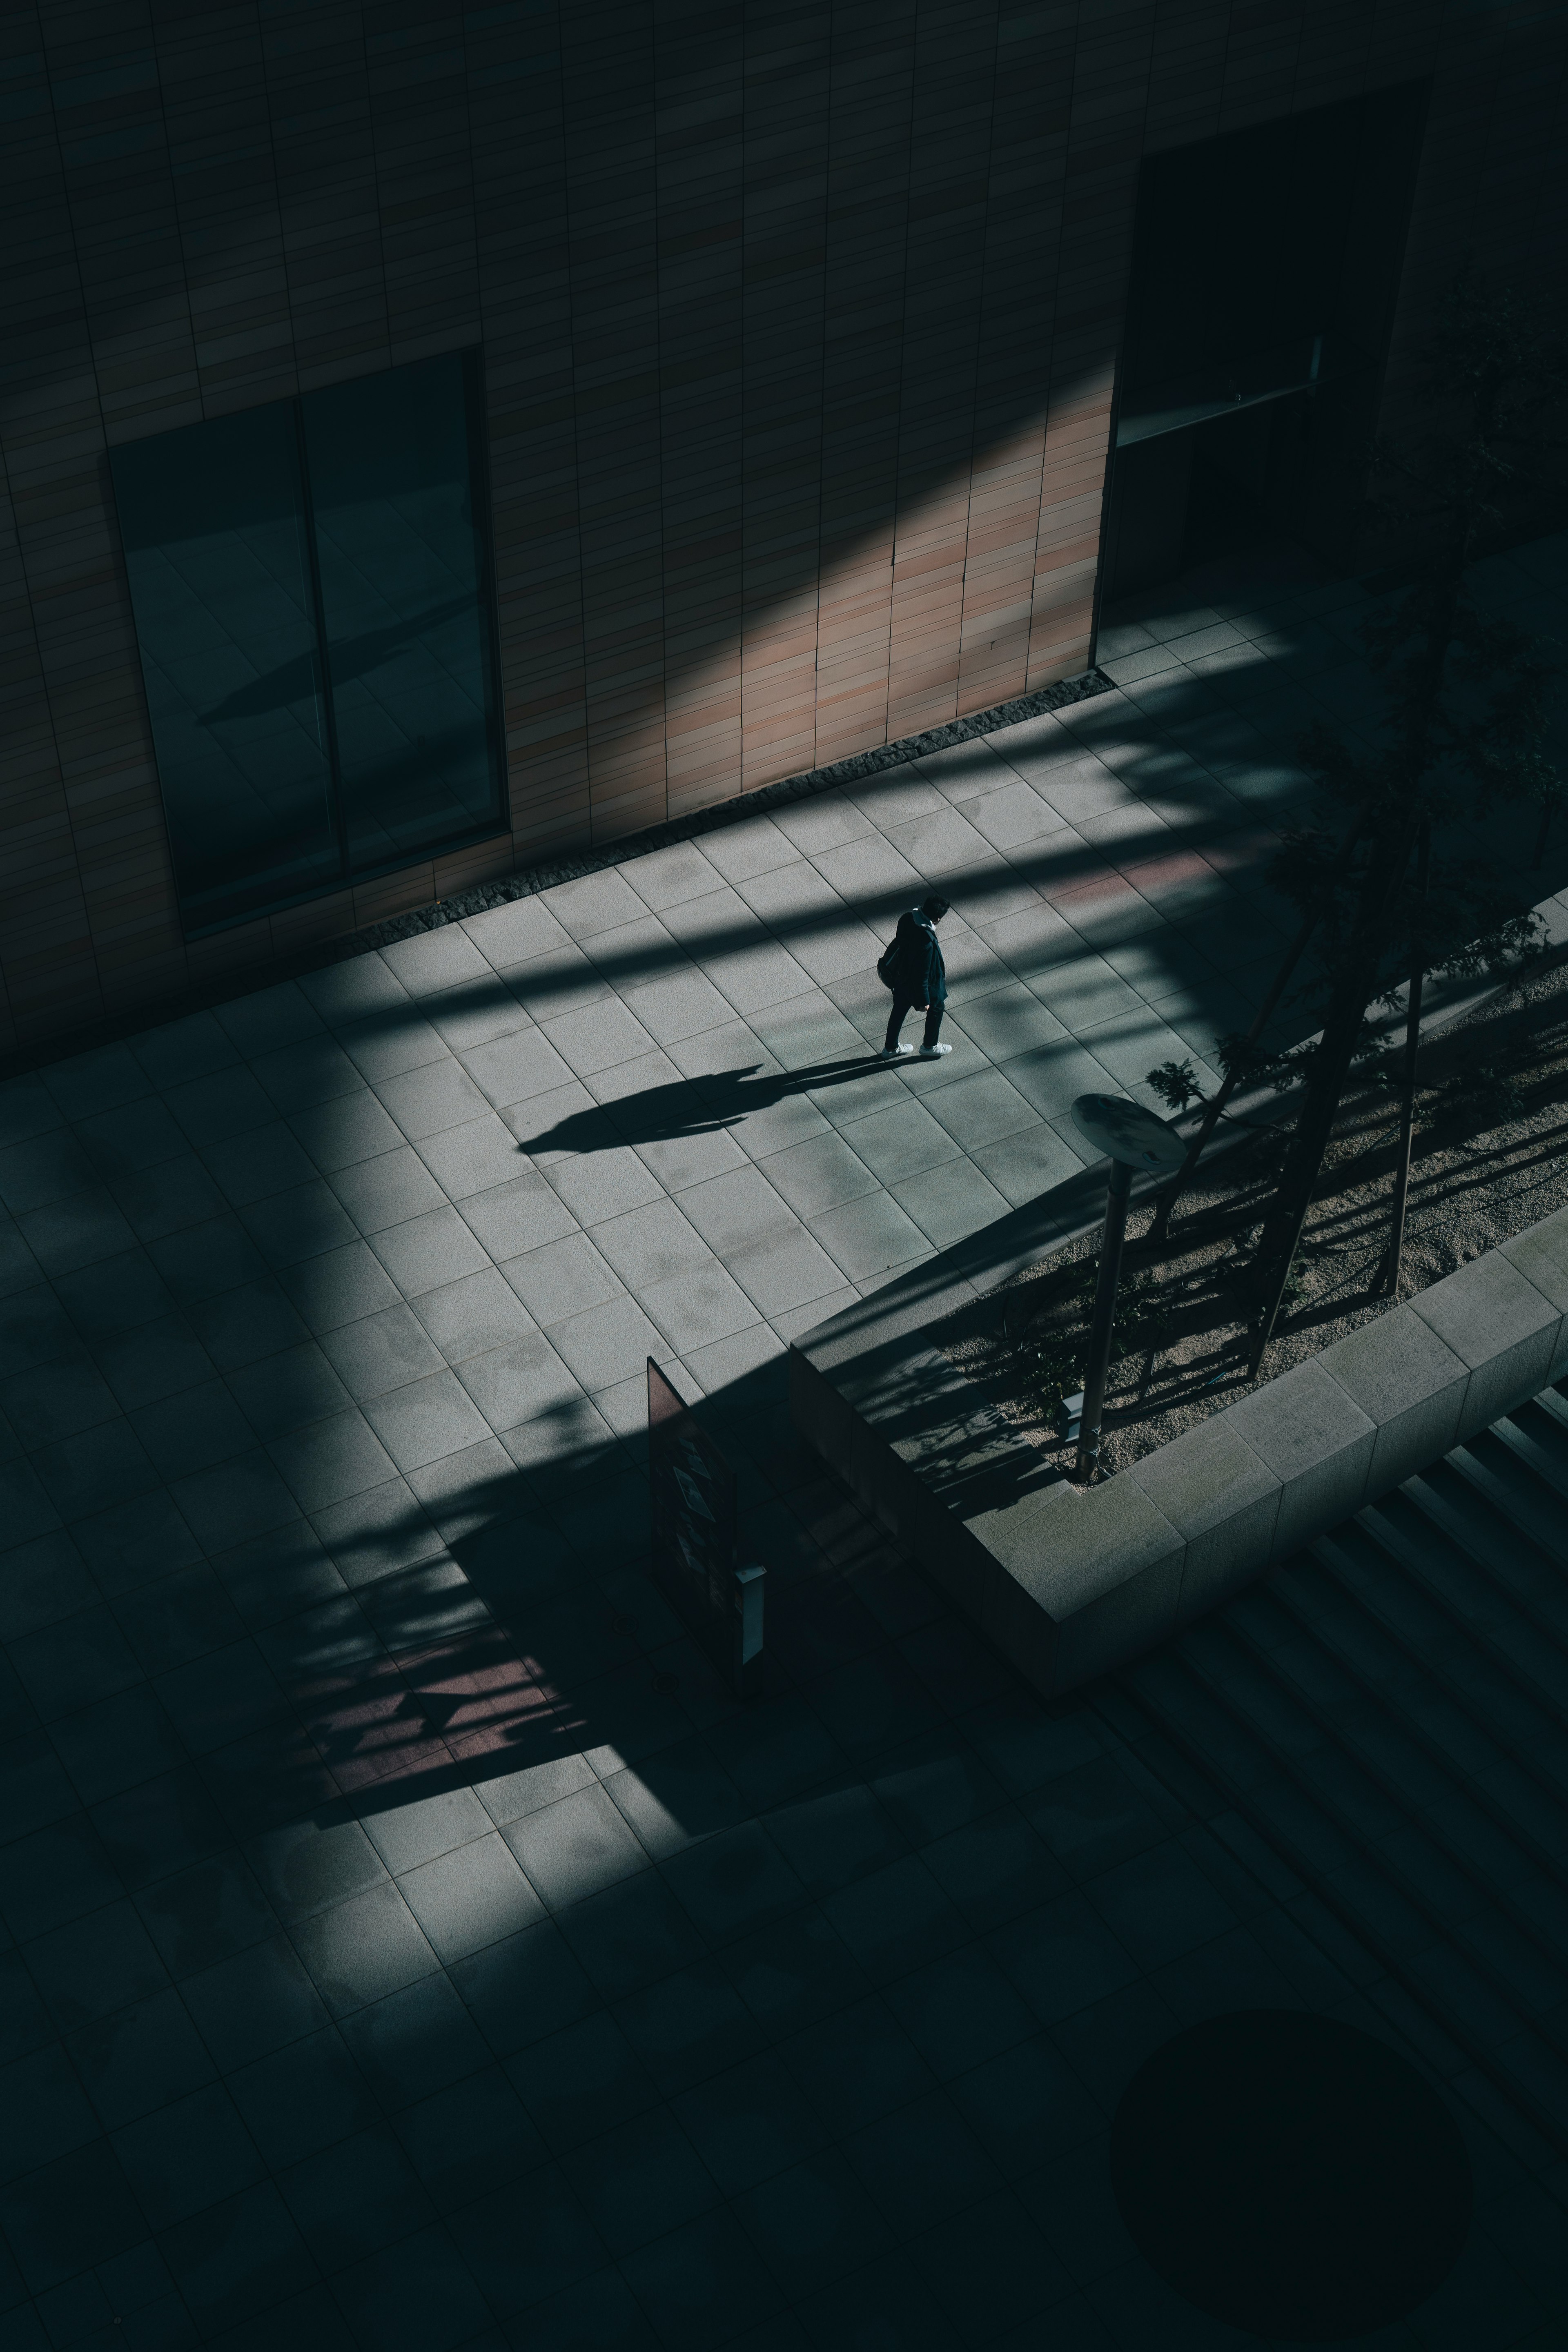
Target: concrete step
{"points": [[1461, 1999], [1423, 1863], [1470, 1720], [1473, 1876], [1389, 1713], [1382, 1570], [1466, 1556]]}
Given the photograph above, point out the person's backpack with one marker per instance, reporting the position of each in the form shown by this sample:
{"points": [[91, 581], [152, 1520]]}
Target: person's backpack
{"points": [[893, 954]]}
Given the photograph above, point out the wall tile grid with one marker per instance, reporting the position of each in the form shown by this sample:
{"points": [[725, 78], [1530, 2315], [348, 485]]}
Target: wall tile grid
{"points": [[800, 328]]}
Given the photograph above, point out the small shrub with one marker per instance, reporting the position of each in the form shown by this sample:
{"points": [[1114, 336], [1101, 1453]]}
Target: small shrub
{"points": [[1048, 1365], [1048, 1358], [1295, 1289], [1476, 1100], [1177, 1083], [1142, 1318]]}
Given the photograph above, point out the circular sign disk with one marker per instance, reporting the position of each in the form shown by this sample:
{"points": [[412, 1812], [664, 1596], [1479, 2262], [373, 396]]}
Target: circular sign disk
{"points": [[1290, 2176], [1128, 1133]]}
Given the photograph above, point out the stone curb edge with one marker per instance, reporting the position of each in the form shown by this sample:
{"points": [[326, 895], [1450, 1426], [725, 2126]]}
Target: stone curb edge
{"points": [[1071, 1582], [527, 883]]}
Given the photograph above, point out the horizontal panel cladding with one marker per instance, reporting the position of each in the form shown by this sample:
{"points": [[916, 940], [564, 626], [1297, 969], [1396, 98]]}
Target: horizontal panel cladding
{"points": [[798, 337]]}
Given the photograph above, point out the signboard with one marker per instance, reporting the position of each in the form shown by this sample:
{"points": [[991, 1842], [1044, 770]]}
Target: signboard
{"points": [[695, 1533]]}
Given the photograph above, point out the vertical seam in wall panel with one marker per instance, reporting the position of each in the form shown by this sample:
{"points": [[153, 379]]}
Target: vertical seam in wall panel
{"points": [[49, 705], [323, 653], [827, 122], [375, 129], [1219, 86], [571, 274], [1045, 453], [112, 513], [306, 519], [914, 52], [659, 439], [1557, 113], [1116, 355], [481, 469], [975, 379], [663, 511], [277, 198]]}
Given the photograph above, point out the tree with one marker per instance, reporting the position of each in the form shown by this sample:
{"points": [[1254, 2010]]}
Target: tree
{"points": [[1240, 1055], [1462, 733]]}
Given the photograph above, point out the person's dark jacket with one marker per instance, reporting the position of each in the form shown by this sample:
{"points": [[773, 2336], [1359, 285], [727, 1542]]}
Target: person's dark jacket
{"points": [[917, 971]]}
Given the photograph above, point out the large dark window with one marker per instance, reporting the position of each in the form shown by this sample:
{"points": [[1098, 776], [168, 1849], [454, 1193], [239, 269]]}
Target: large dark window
{"points": [[1266, 266], [311, 590]]}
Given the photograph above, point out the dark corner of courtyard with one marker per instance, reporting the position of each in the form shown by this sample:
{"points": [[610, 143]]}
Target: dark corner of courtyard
{"points": [[784, 1177]]}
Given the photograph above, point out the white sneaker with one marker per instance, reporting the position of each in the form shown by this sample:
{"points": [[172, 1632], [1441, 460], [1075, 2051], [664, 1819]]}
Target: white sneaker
{"points": [[891, 1053], [930, 1053]]}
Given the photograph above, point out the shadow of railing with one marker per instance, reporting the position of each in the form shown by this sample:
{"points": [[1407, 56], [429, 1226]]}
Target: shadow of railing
{"points": [[521, 1667]]}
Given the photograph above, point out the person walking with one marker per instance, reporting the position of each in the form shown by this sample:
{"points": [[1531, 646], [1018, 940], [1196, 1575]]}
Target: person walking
{"points": [[913, 968]]}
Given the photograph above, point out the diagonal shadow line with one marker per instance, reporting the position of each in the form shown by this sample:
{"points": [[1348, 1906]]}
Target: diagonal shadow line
{"points": [[477, 1675], [1054, 870], [299, 680], [1055, 875], [631, 967], [1429, 1189]]}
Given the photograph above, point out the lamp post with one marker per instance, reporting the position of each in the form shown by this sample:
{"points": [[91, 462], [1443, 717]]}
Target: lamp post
{"points": [[1133, 1137]]}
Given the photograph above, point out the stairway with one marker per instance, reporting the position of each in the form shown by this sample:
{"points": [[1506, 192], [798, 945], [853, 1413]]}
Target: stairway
{"points": [[1389, 1709]]}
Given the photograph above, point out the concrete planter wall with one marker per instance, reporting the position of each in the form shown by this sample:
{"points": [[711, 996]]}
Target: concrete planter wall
{"points": [[1071, 1582]]}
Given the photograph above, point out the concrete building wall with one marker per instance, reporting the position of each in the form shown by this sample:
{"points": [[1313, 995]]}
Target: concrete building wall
{"points": [[799, 327]]}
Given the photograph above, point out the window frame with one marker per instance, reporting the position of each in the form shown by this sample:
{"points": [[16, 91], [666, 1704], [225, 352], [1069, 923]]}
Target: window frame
{"points": [[491, 829]]}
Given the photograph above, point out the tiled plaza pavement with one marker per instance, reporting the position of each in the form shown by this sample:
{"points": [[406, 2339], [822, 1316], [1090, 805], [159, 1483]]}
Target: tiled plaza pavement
{"points": [[406, 1944]]}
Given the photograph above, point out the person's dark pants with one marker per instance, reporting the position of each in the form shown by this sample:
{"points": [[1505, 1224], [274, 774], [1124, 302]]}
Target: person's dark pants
{"points": [[901, 1005]]}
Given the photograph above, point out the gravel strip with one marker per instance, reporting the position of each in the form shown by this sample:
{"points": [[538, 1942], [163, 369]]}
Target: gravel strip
{"points": [[1490, 1156]]}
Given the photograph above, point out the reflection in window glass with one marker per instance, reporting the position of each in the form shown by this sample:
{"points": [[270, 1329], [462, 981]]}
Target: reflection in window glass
{"points": [[220, 580], [392, 494], [310, 593]]}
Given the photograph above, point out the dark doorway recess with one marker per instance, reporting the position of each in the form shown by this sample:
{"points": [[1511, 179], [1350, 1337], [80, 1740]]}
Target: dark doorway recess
{"points": [[1290, 2176], [1265, 271]]}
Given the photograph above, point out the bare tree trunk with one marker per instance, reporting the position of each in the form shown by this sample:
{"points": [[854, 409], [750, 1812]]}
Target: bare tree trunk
{"points": [[1326, 1078], [1357, 982], [1213, 1108], [1388, 1273], [1160, 1224], [1299, 1179], [1275, 1299]]}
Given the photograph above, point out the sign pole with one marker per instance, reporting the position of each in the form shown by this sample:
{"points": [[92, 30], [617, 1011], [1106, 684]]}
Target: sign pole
{"points": [[1117, 1195]]}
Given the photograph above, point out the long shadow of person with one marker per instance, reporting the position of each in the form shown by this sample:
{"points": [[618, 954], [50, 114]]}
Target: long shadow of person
{"points": [[695, 1106]]}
